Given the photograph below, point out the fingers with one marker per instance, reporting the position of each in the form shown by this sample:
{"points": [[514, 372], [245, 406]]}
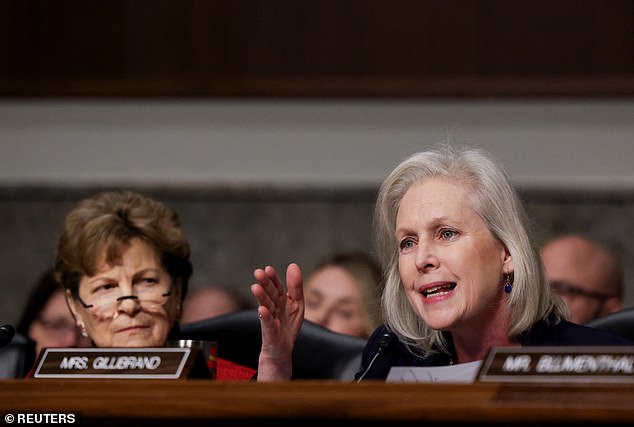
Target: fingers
{"points": [[294, 282], [263, 298], [269, 291], [268, 279], [272, 275], [264, 314]]}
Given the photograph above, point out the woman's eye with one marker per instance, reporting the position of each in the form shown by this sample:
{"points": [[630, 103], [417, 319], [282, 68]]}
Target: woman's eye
{"points": [[344, 314], [145, 283], [448, 234], [104, 288], [406, 244]]}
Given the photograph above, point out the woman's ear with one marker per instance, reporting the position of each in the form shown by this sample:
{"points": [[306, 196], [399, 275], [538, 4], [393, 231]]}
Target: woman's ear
{"points": [[72, 306], [507, 264]]}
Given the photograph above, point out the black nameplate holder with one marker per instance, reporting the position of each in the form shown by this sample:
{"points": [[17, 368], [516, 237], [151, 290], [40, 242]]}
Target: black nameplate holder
{"points": [[121, 363], [559, 364]]}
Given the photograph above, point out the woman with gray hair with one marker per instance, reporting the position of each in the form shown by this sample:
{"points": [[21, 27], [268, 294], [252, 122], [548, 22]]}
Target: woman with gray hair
{"points": [[461, 273]]}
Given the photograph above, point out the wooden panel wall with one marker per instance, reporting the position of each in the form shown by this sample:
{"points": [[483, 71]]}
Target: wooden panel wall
{"points": [[404, 48]]}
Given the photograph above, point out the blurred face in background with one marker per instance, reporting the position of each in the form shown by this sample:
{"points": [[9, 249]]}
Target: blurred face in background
{"points": [[334, 300], [55, 326], [586, 276], [206, 303]]}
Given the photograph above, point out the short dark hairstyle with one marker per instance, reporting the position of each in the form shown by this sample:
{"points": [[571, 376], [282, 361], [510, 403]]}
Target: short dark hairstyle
{"points": [[104, 223]]}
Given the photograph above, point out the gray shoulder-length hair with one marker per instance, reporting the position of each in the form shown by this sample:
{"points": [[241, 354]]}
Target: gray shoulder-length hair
{"points": [[491, 195]]}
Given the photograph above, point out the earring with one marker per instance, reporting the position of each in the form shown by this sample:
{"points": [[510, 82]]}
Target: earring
{"points": [[508, 285], [83, 331]]}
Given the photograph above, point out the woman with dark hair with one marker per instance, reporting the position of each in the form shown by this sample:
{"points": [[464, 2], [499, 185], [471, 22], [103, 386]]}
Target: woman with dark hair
{"points": [[124, 262]]}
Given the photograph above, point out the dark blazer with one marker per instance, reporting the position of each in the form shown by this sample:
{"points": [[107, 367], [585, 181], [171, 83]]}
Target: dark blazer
{"points": [[543, 333]]}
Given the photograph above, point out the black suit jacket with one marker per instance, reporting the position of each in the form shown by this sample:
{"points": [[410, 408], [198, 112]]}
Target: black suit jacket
{"points": [[543, 333]]}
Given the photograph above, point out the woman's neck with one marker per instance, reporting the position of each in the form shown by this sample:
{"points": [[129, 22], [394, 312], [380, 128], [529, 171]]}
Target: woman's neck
{"points": [[468, 350], [474, 341]]}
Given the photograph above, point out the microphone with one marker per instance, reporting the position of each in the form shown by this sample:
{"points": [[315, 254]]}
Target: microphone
{"points": [[6, 334], [385, 341]]}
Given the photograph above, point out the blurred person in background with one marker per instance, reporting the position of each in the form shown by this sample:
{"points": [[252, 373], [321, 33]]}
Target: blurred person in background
{"points": [[585, 275], [46, 318], [212, 301], [342, 294]]}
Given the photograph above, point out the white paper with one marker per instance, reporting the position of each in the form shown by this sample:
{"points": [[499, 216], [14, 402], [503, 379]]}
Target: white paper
{"points": [[461, 373]]}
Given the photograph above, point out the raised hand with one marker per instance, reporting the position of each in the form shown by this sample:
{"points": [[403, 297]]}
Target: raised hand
{"points": [[281, 315]]}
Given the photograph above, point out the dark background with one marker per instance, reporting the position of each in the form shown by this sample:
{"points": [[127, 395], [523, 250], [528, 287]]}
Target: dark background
{"points": [[277, 48]]}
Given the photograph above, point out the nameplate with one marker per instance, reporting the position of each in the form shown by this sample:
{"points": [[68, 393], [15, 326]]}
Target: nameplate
{"points": [[143, 363], [559, 364]]}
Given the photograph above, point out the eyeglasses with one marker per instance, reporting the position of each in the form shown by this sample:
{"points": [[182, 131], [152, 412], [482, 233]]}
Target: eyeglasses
{"points": [[104, 300], [563, 287]]}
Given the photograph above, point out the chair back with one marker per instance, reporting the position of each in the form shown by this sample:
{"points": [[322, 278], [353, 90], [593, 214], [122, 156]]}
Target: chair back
{"points": [[620, 323], [318, 353]]}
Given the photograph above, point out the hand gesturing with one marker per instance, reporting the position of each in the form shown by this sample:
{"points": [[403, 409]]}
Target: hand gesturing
{"points": [[281, 314]]}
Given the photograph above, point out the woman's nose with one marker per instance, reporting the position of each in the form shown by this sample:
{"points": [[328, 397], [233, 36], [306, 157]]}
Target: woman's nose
{"points": [[426, 258], [128, 305]]}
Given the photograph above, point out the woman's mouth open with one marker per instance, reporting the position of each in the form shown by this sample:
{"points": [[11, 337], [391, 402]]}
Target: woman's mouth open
{"points": [[437, 290]]}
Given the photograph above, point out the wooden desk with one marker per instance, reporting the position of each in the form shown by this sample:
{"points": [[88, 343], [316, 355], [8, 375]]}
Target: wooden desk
{"points": [[199, 402]]}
